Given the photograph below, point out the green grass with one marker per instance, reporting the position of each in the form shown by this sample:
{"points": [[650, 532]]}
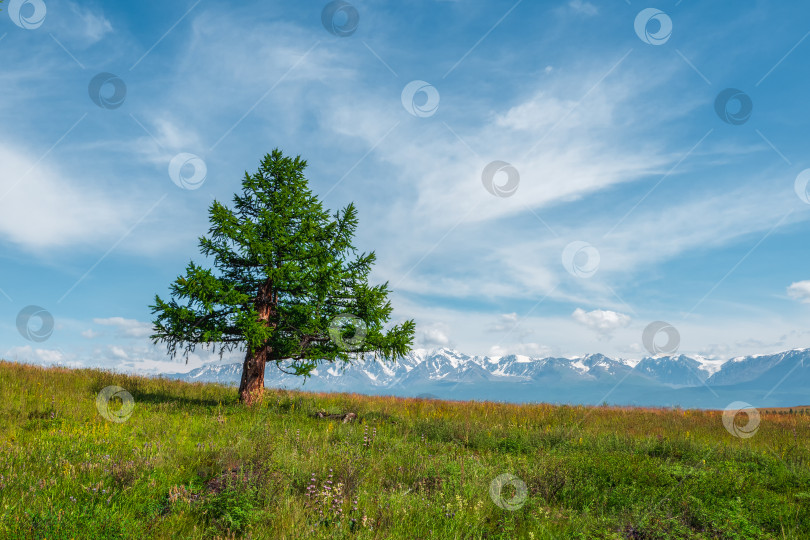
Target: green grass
{"points": [[192, 463]]}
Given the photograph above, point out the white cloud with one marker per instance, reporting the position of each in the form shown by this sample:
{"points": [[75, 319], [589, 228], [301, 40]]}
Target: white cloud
{"points": [[583, 7], [90, 333], [141, 357], [138, 356], [432, 337], [171, 137], [46, 208], [800, 291], [41, 208], [535, 350], [601, 321], [93, 26], [506, 321], [39, 356], [80, 26], [127, 327], [118, 352]]}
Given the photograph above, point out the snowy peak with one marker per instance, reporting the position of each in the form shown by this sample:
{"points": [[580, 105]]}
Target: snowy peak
{"points": [[743, 369], [509, 377], [602, 363], [673, 370]]}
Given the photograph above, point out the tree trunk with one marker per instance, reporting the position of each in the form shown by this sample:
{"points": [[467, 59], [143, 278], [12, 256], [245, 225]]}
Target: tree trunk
{"points": [[252, 386]]}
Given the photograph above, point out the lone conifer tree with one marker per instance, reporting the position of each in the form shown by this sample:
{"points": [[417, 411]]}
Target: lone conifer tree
{"points": [[290, 287]]}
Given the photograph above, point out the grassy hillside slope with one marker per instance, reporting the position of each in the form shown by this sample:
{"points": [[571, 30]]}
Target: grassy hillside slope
{"points": [[191, 463]]}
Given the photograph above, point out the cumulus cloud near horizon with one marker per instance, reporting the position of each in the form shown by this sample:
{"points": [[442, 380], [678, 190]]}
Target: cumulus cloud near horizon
{"points": [[602, 321], [433, 337]]}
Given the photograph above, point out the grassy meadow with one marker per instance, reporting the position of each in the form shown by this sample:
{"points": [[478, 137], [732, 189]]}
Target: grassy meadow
{"points": [[190, 462]]}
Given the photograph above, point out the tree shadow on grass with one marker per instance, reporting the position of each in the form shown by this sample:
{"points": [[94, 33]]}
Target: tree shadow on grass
{"points": [[157, 396]]}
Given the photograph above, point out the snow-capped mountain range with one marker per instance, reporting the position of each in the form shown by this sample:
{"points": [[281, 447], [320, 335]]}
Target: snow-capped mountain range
{"points": [[779, 379]]}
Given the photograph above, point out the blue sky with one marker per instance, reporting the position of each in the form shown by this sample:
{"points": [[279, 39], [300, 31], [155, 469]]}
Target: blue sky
{"points": [[613, 137]]}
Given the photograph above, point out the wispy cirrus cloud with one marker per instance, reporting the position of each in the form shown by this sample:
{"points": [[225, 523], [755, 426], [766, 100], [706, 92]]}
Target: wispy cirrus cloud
{"points": [[85, 24], [584, 7], [127, 327]]}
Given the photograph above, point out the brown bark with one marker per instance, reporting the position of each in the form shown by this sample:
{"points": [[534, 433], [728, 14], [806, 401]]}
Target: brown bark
{"points": [[251, 387]]}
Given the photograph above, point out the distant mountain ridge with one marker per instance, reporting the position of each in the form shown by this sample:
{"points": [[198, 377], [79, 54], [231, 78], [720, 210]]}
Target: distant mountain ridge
{"points": [[779, 379]]}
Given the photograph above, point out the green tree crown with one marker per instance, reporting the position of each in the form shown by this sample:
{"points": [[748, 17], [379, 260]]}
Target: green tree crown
{"points": [[286, 280]]}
